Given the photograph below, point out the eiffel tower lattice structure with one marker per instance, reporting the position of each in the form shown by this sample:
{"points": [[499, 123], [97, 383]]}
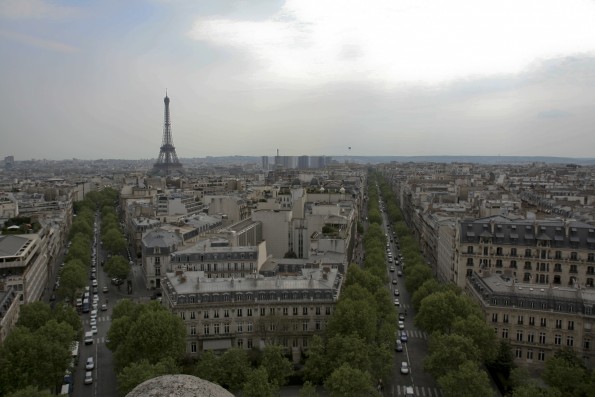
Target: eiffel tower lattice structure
{"points": [[167, 163]]}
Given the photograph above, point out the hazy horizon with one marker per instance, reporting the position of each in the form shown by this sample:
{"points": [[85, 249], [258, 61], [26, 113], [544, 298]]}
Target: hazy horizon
{"points": [[402, 78]]}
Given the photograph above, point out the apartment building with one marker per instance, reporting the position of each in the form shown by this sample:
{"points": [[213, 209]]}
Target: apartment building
{"points": [[252, 311], [24, 265], [537, 320], [9, 309], [543, 252]]}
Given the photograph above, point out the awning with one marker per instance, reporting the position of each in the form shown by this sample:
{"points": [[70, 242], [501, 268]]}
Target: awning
{"points": [[218, 344]]}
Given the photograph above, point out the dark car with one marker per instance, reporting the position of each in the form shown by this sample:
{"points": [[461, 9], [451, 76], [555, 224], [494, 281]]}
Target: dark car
{"points": [[402, 316], [404, 337]]}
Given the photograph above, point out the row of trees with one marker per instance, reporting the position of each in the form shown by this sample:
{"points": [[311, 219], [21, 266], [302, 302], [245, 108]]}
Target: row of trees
{"points": [[38, 351]]}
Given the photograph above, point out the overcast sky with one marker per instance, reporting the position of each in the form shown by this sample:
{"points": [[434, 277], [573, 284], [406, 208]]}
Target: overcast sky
{"points": [[86, 78]]}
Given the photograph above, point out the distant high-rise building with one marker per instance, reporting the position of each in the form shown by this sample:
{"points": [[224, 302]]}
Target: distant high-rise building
{"points": [[265, 163], [167, 162], [303, 162], [8, 162]]}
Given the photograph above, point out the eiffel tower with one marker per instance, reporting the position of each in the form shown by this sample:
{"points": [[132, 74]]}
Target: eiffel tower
{"points": [[167, 163]]}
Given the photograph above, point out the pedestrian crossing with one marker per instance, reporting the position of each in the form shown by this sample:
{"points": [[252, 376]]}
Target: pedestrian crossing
{"points": [[417, 334], [100, 319], [100, 340], [422, 391]]}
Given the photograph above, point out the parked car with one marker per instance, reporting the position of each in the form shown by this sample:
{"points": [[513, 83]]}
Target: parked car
{"points": [[401, 324], [396, 292], [88, 378], [398, 346], [90, 363], [397, 303]]}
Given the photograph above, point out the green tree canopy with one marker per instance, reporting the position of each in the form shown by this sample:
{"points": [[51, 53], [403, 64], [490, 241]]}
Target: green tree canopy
{"points": [[316, 369], [30, 391], [448, 352], [278, 367], [34, 315], [257, 384], [439, 311], [235, 367], [346, 381], [117, 266], [138, 372], [207, 367], [466, 381]]}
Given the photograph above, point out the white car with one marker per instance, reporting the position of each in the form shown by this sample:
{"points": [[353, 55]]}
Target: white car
{"points": [[401, 324], [88, 378], [94, 329], [404, 368], [90, 363], [397, 303], [93, 322], [93, 313]]}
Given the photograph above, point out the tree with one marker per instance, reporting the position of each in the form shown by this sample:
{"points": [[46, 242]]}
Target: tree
{"points": [[532, 390], [277, 365], [59, 332], [354, 317], [30, 391], [257, 384], [163, 331], [34, 315], [439, 310], [466, 381], [235, 368], [113, 240], [118, 267], [481, 333], [316, 368], [73, 279], [449, 352], [138, 372], [346, 381], [417, 275], [67, 314], [308, 390], [207, 367], [565, 372], [348, 349]]}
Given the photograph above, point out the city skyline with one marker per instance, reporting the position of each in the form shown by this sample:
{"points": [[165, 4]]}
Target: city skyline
{"points": [[87, 80]]}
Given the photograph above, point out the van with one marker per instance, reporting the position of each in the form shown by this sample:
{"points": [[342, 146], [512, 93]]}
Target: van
{"points": [[89, 338]]}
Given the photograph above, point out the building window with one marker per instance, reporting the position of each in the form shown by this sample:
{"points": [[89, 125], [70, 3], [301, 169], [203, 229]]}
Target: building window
{"points": [[249, 343], [531, 320], [557, 267], [504, 333], [183, 315], [263, 311], [505, 318], [285, 311], [192, 315], [520, 320], [543, 321], [519, 336], [574, 256], [193, 330], [240, 326], [527, 266], [317, 325], [573, 269], [558, 255], [272, 311], [557, 279], [469, 249], [541, 355], [542, 338], [226, 328], [318, 310], [193, 347], [205, 314], [494, 317], [529, 354], [530, 337], [249, 312], [518, 352], [513, 252], [557, 339], [569, 341], [587, 343], [469, 261], [250, 326], [304, 325], [240, 343], [226, 313], [558, 324], [239, 313], [206, 329], [305, 311], [570, 325], [295, 311]]}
